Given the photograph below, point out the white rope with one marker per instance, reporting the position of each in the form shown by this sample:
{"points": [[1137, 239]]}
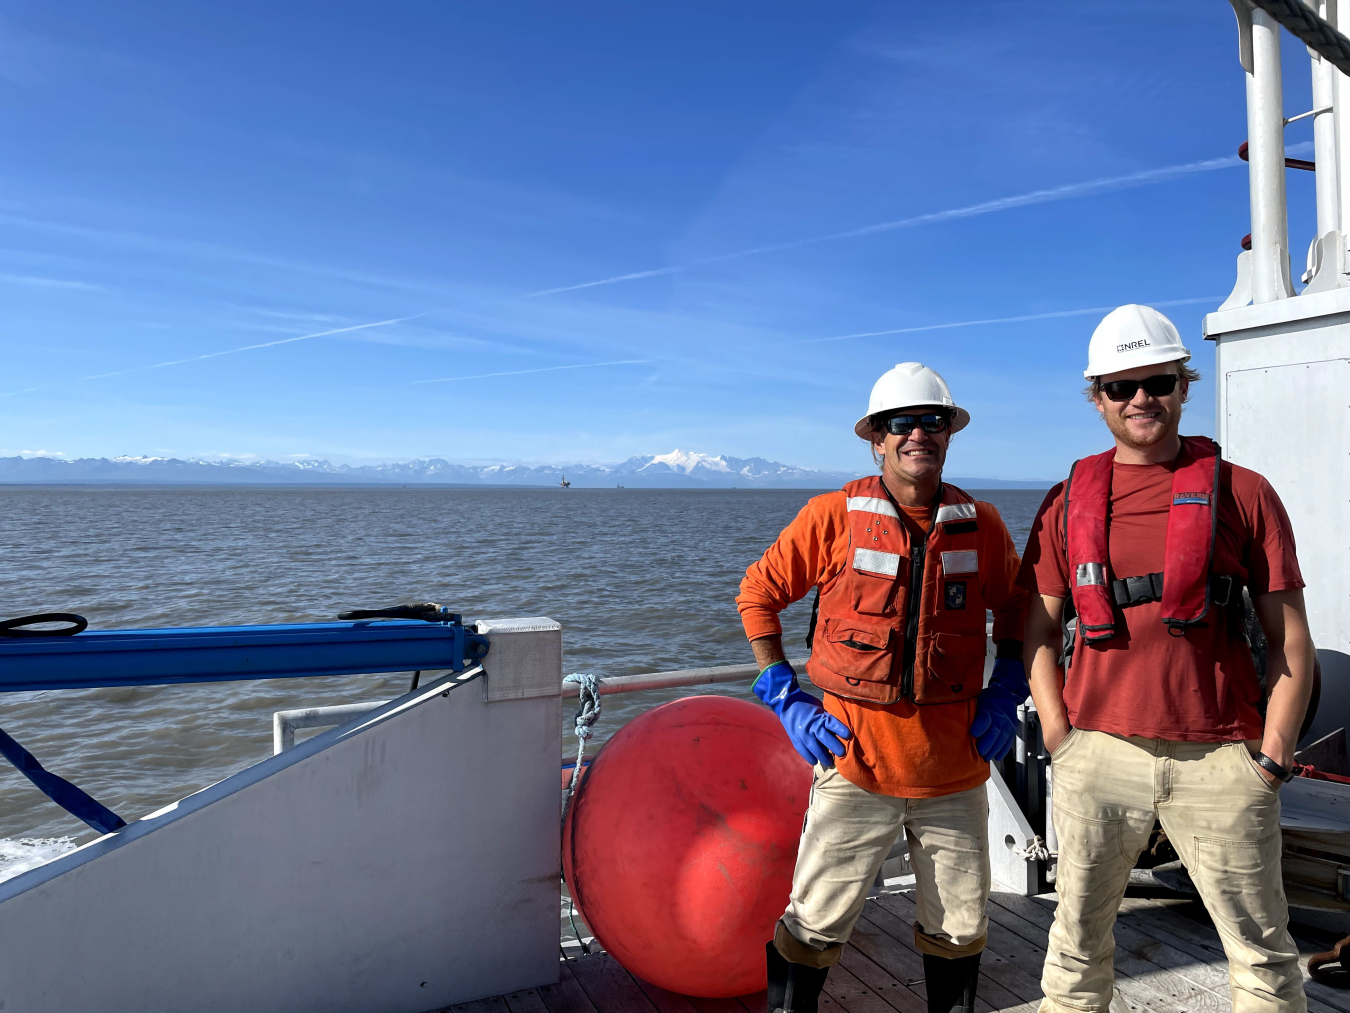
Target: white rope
{"points": [[1036, 851], [587, 716]]}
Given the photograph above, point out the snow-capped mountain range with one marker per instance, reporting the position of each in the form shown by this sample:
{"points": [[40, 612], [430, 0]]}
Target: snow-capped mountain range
{"points": [[678, 469]]}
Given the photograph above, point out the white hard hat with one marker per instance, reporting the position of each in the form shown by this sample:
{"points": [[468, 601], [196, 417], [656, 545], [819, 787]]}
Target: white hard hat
{"points": [[1131, 336], [910, 385]]}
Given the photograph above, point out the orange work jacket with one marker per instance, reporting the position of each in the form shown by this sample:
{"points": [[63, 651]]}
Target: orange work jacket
{"points": [[901, 745]]}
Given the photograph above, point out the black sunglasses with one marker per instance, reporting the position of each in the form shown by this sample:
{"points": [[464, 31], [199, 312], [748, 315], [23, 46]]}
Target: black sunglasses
{"points": [[1154, 386], [903, 425]]}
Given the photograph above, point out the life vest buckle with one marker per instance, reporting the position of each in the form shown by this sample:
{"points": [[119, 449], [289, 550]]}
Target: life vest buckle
{"points": [[1227, 582], [1131, 591]]}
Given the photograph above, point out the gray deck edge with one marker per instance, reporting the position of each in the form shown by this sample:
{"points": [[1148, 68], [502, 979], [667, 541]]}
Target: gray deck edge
{"points": [[228, 786]]}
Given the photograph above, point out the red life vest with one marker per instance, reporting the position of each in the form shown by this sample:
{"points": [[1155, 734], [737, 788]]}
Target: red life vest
{"points": [[902, 620], [1192, 521]]}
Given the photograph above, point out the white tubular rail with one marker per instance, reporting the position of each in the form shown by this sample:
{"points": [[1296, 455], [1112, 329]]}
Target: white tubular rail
{"points": [[1340, 98], [680, 677], [284, 723], [1265, 140], [1324, 141]]}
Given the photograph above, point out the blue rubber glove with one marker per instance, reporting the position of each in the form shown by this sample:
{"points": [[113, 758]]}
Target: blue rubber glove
{"points": [[995, 721], [814, 733]]}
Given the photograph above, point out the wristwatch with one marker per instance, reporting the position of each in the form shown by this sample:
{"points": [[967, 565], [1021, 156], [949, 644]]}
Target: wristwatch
{"points": [[1281, 775]]}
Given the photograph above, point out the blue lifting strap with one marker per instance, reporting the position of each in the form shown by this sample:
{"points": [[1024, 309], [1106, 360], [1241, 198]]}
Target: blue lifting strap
{"points": [[59, 790]]}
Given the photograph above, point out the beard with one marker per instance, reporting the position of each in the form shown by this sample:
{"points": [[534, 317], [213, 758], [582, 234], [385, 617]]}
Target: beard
{"points": [[1164, 427]]}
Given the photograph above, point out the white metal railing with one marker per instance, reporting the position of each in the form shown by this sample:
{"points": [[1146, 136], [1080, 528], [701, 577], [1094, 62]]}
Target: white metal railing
{"points": [[679, 677], [1265, 139], [284, 723]]}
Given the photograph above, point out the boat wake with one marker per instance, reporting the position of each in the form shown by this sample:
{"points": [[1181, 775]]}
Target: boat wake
{"points": [[26, 853]]}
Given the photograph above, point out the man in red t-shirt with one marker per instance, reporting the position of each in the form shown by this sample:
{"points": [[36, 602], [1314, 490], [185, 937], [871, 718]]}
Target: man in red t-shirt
{"points": [[1158, 714]]}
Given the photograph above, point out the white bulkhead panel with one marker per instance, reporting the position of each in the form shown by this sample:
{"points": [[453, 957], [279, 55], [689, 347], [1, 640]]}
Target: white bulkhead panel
{"points": [[1284, 410], [1292, 424]]}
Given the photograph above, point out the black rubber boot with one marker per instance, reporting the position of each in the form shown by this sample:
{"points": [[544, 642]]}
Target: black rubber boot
{"points": [[793, 988], [951, 982]]}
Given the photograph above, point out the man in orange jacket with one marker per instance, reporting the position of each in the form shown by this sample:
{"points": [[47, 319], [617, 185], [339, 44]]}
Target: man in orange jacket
{"points": [[906, 567]]}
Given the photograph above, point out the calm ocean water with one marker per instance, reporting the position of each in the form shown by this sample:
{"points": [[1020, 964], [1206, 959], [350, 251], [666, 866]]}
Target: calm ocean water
{"points": [[642, 581]]}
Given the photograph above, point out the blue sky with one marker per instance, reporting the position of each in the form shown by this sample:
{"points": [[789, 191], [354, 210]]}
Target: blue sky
{"points": [[181, 180]]}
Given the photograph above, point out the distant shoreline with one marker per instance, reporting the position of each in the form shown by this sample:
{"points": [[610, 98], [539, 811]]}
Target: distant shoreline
{"points": [[159, 485]]}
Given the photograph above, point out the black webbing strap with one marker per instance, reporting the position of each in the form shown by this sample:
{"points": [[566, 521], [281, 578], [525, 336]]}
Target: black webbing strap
{"points": [[73, 800], [1128, 592]]}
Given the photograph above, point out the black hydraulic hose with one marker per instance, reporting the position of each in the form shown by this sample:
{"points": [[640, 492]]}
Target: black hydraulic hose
{"points": [[16, 627], [428, 612]]}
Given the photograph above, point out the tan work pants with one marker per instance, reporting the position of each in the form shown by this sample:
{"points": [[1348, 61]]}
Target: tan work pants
{"points": [[1222, 817], [848, 833]]}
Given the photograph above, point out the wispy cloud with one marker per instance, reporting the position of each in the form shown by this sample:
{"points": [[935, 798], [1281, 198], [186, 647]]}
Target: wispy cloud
{"points": [[227, 351], [1215, 299], [1068, 191], [545, 369], [32, 279], [250, 348]]}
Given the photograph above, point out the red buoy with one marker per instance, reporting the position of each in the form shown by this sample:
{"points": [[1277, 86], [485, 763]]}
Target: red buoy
{"points": [[681, 840]]}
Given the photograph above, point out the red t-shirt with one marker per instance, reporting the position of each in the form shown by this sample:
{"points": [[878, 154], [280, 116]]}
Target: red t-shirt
{"points": [[1143, 681]]}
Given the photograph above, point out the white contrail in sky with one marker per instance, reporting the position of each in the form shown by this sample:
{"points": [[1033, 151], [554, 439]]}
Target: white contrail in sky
{"points": [[545, 369], [1085, 188], [1215, 299], [228, 351], [249, 348]]}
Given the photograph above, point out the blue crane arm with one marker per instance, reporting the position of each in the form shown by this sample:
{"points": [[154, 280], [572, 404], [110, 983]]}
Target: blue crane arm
{"points": [[223, 653]]}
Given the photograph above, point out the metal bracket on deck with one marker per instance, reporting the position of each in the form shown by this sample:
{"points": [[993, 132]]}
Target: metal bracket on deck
{"points": [[526, 658], [1011, 841]]}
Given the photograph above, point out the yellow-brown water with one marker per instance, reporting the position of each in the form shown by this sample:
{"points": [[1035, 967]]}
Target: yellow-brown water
{"points": [[642, 580]]}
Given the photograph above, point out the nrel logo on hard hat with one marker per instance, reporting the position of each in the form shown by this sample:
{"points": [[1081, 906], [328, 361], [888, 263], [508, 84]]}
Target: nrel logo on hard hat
{"points": [[1131, 336]]}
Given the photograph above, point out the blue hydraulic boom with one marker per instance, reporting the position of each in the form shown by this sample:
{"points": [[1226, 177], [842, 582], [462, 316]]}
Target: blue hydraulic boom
{"points": [[224, 653], [407, 638]]}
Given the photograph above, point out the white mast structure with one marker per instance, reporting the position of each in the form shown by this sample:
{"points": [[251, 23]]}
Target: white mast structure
{"points": [[1282, 360]]}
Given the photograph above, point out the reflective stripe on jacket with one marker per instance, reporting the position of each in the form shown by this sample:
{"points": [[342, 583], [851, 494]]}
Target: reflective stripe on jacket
{"points": [[902, 620]]}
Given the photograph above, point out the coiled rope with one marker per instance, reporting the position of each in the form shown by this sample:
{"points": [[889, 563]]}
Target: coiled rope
{"points": [[1304, 24], [587, 716], [1035, 851]]}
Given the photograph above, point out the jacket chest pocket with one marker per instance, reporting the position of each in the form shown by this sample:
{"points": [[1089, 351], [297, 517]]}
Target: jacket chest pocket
{"points": [[954, 669], [957, 603], [874, 581], [856, 651]]}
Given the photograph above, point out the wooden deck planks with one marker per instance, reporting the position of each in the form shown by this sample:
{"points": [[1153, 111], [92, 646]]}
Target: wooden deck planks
{"points": [[1002, 983], [901, 930], [870, 974], [854, 995], [1141, 982], [1168, 959], [1188, 923], [496, 1004], [528, 1001], [609, 986], [567, 996]]}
